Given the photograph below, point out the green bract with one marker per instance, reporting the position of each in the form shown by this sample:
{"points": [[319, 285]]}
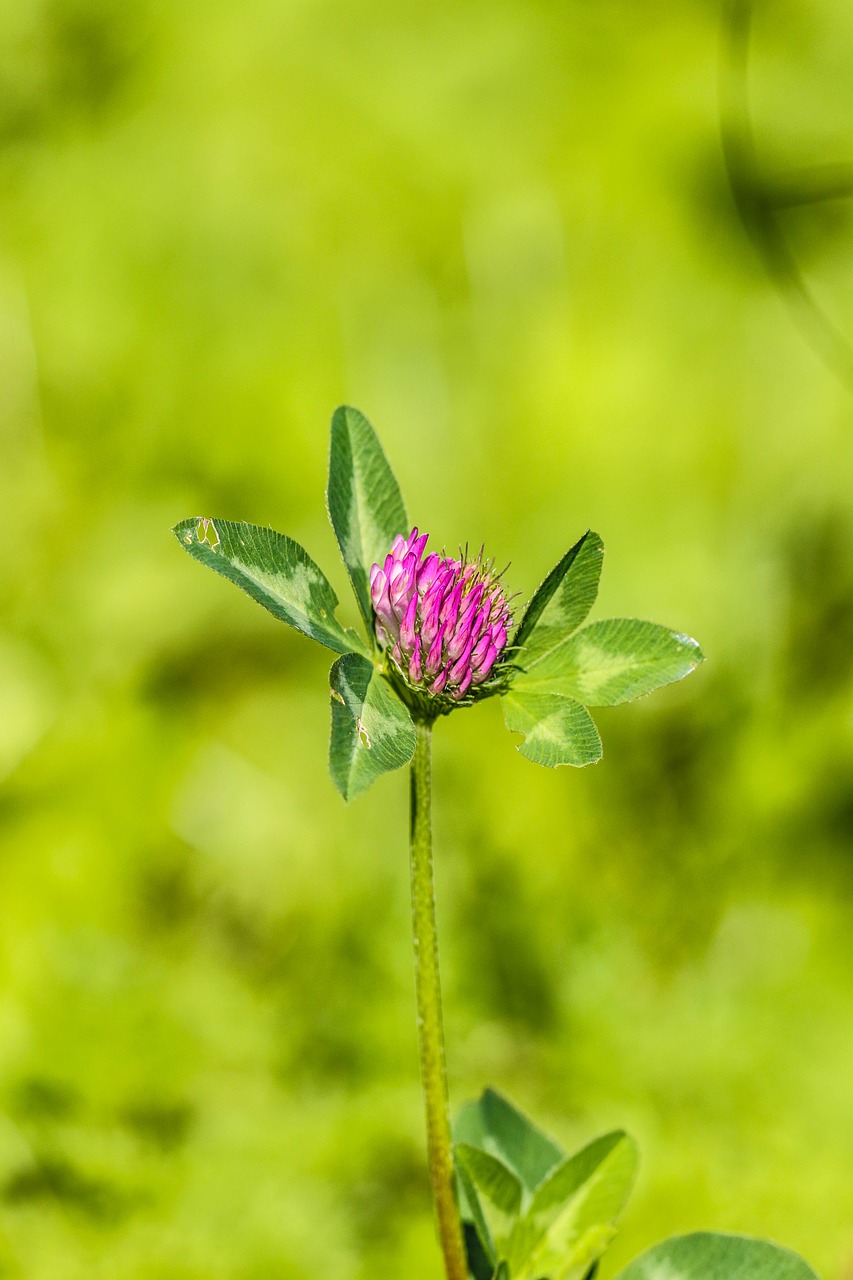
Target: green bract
{"points": [[553, 668]]}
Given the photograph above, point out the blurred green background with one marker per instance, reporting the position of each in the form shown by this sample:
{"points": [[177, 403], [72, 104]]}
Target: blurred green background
{"points": [[504, 231]]}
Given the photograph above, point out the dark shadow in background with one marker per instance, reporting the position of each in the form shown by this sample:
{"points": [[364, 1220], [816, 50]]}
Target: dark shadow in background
{"points": [[762, 198]]}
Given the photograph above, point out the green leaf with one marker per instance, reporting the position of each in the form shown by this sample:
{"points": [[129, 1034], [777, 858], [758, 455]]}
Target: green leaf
{"points": [[563, 600], [572, 1217], [511, 1148], [558, 730], [275, 571], [708, 1255], [485, 1178], [612, 661], [479, 1244], [365, 506], [612, 1156], [491, 1177], [494, 1125], [502, 1272], [533, 1207], [372, 731]]}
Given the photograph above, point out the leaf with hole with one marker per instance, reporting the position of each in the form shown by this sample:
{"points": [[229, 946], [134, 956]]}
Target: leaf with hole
{"points": [[557, 730], [275, 571], [365, 504], [372, 731]]}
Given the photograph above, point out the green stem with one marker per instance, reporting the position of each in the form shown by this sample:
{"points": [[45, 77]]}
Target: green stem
{"points": [[430, 1028]]}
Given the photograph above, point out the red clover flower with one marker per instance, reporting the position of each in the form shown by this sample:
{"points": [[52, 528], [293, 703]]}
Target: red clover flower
{"points": [[444, 623]]}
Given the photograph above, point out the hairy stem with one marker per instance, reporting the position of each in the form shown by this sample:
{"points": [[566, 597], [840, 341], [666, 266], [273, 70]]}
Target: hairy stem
{"points": [[430, 1027]]}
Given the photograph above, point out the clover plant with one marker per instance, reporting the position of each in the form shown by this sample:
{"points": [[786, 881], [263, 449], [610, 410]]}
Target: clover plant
{"points": [[442, 633]]}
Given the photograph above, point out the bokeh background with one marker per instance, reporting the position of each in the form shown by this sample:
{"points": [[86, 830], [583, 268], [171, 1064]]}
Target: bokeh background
{"points": [[505, 231]]}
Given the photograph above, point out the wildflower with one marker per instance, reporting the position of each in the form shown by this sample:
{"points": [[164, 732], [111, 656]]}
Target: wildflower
{"points": [[440, 630], [443, 622]]}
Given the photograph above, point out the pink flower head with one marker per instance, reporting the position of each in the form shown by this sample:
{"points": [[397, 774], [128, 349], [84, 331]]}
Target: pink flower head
{"points": [[444, 621]]}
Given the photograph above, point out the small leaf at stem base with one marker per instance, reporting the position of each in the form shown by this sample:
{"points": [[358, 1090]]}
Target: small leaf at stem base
{"points": [[707, 1255]]}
